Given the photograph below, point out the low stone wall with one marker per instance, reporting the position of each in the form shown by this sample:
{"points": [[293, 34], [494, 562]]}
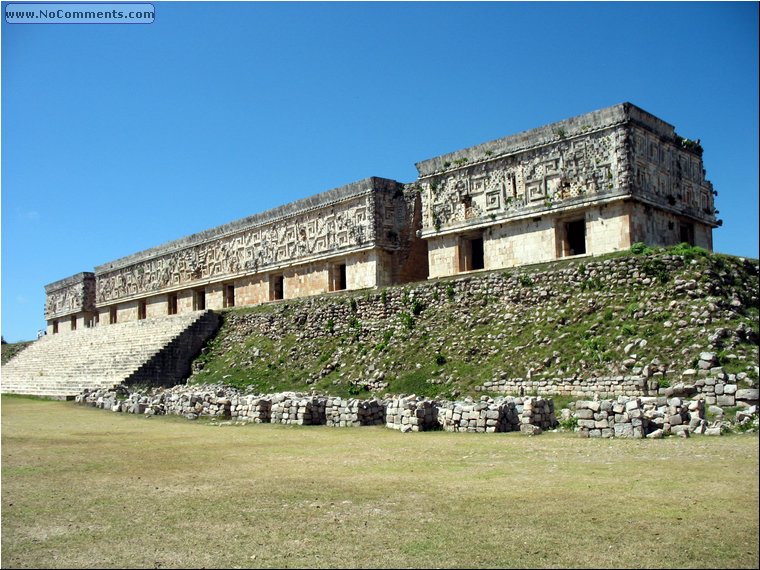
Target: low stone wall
{"points": [[501, 415], [626, 417], [293, 409], [605, 387], [352, 412], [537, 415], [403, 413], [480, 416], [714, 385], [411, 414], [640, 417], [256, 409]]}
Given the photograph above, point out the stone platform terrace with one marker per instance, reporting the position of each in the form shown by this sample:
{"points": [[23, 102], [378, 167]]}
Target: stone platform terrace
{"points": [[149, 352]]}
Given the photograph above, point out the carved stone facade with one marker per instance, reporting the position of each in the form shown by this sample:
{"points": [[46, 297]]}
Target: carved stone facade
{"points": [[591, 184], [353, 237], [588, 185], [70, 302], [357, 217]]}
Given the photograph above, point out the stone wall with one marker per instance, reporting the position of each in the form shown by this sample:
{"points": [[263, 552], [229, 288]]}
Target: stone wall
{"points": [[620, 172], [518, 192], [295, 409], [623, 417], [621, 149], [536, 300], [659, 228], [500, 415], [526, 183], [366, 214], [70, 295], [353, 412], [709, 382], [640, 417], [410, 413], [402, 413]]}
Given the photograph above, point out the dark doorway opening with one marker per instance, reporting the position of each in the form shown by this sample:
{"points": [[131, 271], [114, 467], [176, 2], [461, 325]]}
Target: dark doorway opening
{"points": [[172, 308], [199, 300], [277, 287], [686, 232], [229, 296], [478, 259], [576, 237], [471, 254]]}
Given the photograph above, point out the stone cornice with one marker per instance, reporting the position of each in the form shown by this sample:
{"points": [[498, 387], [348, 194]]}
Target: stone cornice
{"points": [[553, 133], [297, 208], [68, 281]]}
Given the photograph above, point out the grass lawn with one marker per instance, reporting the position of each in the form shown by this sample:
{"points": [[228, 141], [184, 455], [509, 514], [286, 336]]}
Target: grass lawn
{"points": [[88, 488]]}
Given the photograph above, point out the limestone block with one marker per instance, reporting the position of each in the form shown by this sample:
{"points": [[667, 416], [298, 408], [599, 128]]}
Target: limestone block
{"points": [[680, 430], [529, 429], [749, 394], [623, 430], [726, 400]]}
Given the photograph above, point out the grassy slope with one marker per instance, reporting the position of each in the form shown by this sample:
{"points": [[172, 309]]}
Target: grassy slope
{"points": [[9, 350], [457, 343], [87, 488]]}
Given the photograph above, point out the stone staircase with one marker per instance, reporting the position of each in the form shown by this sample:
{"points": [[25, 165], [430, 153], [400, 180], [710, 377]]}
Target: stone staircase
{"points": [[155, 351]]}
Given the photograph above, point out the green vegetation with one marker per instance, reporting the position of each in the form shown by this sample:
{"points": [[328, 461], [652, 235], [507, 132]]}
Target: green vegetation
{"points": [[640, 248], [407, 319], [9, 350], [580, 329], [169, 493], [689, 251], [569, 424]]}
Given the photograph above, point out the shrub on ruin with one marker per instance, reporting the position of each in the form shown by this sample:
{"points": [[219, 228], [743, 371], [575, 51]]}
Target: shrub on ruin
{"points": [[640, 248]]}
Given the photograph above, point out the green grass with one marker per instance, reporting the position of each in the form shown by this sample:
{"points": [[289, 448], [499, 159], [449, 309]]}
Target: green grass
{"points": [[84, 488], [9, 350], [580, 331]]}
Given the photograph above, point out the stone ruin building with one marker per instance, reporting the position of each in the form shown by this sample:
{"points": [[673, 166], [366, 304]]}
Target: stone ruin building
{"points": [[353, 237], [588, 185]]}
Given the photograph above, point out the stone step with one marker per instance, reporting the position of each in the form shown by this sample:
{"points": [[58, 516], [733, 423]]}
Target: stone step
{"points": [[155, 351]]}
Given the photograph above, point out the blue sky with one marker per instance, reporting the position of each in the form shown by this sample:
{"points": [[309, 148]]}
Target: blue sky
{"points": [[116, 138]]}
